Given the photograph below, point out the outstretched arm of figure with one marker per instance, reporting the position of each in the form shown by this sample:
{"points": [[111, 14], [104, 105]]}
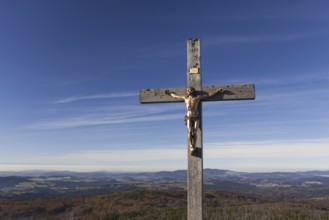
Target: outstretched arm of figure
{"points": [[212, 94], [174, 95]]}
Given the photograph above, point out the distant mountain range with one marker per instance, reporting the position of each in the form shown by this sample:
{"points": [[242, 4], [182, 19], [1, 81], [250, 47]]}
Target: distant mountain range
{"points": [[39, 184], [176, 175]]}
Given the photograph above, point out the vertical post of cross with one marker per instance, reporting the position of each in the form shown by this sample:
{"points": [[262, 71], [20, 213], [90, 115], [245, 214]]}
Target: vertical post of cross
{"points": [[195, 163]]}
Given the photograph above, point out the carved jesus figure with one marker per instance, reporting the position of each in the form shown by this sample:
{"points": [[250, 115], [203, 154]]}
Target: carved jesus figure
{"points": [[192, 117]]}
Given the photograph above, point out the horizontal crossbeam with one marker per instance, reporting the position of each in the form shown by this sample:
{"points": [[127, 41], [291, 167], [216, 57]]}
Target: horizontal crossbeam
{"points": [[231, 92]]}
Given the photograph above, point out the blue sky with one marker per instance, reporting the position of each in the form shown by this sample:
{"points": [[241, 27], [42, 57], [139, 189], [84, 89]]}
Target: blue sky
{"points": [[71, 71]]}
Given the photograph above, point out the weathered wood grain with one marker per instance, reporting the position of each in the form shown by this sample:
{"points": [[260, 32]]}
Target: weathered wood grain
{"points": [[195, 163]]}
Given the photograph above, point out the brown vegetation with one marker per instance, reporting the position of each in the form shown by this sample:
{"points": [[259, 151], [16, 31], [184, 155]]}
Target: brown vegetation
{"points": [[151, 204]]}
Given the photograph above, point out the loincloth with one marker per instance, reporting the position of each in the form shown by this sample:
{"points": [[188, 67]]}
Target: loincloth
{"points": [[191, 118]]}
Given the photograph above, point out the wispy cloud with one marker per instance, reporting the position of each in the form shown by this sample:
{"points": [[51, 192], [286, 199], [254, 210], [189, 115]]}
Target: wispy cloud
{"points": [[269, 149], [110, 115], [86, 121], [139, 159], [119, 114], [228, 40], [295, 78], [96, 96], [86, 168]]}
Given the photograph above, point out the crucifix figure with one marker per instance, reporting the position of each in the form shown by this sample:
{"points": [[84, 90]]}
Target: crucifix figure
{"points": [[192, 117], [193, 96]]}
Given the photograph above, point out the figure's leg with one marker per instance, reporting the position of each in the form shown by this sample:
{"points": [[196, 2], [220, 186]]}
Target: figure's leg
{"points": [[193, 134], [194, 137], [195, 128], [190, 134]]}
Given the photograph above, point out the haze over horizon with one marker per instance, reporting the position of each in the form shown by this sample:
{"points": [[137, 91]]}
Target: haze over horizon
{"points": [[70, 73]]}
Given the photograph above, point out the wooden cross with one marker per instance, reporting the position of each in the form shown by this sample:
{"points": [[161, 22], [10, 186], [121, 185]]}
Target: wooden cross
{"points": [[195, 163]]}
